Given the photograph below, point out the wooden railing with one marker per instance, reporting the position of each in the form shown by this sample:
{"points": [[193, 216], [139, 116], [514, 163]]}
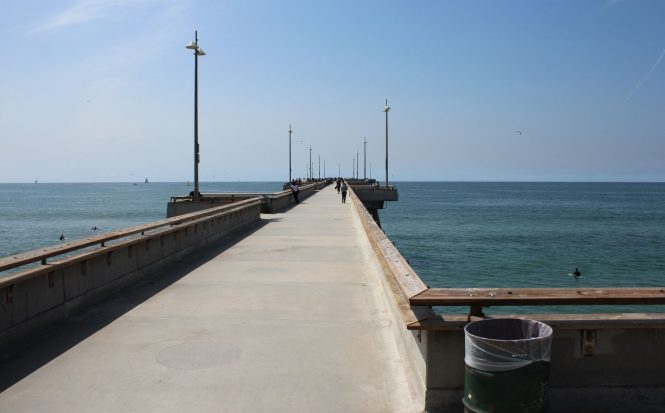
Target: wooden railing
{"points": [[42, 254], [477, 298]]}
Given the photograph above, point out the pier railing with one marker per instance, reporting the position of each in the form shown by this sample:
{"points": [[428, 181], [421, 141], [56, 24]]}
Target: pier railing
{"points": [[271, 202], [144, 231], [600, 362], [477, 298], [60, 279]]}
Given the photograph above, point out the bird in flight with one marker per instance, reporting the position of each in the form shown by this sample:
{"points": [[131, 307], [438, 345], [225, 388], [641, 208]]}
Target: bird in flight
{"points": [[518, 131]]}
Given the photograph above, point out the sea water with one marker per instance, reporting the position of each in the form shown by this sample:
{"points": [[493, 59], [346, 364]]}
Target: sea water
{"points": [[35, 215], [466, 235], [454, 234]]}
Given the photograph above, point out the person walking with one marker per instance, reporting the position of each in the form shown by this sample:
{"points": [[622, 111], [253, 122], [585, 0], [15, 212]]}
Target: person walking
{"points": [[344, 189], [295, 190], [337, 184]]}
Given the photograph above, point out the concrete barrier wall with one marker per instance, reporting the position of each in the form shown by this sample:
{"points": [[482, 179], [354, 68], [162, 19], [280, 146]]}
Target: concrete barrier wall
{"points": [[622, 370], [280, 201], [600, 362], [412, 344], [182, 207], [271, 202], [48, 293]]}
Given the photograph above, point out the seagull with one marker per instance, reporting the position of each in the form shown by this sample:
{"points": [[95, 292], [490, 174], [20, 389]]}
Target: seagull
{"points": [[62, 237], [518, 131], [94, 228]]}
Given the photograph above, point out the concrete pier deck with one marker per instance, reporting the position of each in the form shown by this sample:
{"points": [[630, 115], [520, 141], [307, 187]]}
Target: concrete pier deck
{"points": [[290, 318]]}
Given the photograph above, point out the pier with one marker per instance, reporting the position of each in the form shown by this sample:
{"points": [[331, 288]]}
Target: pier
{"points": [[290, 318], [307, 308]]}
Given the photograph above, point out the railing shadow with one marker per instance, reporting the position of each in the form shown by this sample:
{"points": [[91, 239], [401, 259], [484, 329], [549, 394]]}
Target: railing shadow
{"points": [[25, 356]]}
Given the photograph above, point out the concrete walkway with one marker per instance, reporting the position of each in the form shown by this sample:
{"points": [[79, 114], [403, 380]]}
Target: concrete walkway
{"points": [[289, 319]]}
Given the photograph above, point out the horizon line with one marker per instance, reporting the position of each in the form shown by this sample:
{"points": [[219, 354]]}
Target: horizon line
{"points": [[379, 181]]}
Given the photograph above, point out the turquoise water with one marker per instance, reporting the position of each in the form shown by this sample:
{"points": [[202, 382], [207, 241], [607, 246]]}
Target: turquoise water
{"points": [[453, 234], [34, 215], [532, 234]]}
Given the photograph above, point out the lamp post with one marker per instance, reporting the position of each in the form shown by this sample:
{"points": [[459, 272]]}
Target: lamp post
{"points": [[290, 131], [386, 109], [310, 163], [197, 52], [357, 165], [339, 170], [353, 168], [319, 167], [365, 158]]}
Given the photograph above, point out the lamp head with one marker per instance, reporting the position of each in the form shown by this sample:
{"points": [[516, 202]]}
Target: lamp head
{"points": [[192, 45], [200, 52], [386, 109]]}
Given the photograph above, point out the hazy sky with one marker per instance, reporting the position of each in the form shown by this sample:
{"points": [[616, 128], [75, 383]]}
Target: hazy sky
{"points": [[102, 90]]}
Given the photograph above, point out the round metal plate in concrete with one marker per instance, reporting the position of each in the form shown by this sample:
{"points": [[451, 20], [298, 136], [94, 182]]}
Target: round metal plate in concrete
{"points": [[197, 355]]}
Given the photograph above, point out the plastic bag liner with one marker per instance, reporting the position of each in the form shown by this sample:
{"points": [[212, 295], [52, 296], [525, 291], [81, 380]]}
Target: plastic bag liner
{"points": [[502, 344]]}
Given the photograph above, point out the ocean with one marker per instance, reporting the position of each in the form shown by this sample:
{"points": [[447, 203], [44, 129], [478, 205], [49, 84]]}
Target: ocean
{"points": [[462, 234], [454, 234], [35, 215]]}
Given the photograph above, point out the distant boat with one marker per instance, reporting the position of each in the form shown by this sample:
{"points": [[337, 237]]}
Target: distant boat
{"points": [[146, 180]]}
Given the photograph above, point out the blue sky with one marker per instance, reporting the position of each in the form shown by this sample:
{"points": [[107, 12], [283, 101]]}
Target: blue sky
{"points": [[102, 90]]}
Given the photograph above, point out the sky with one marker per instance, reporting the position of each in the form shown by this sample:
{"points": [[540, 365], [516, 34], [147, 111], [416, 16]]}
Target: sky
{"points": [[103, 90]]}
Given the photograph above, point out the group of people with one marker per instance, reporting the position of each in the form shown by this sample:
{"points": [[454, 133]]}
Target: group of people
{"points": [[340, 186]]}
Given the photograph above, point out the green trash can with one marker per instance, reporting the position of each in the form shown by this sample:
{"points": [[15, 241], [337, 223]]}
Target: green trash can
{"points": [[507, 366]]}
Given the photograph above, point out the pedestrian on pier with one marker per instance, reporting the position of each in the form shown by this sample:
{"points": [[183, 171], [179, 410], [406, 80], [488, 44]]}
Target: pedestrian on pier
{"points": [[295, 190], [344, 189], [338, 182]]}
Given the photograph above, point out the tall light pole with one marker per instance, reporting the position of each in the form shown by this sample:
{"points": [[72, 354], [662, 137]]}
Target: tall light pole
{"points": [[365, 158], [324, 168], [310, 163], [319, 167], [339, 170], [386, 109], [353, 168], [357, 165], [290, 131], [197, 52]]}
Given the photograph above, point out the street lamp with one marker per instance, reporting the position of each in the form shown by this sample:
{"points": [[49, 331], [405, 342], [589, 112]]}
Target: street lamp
{"points": [[290, 131], [353, 168], [357, 165], [365, 158], [386, 109], [311, 175], [197, 52]]}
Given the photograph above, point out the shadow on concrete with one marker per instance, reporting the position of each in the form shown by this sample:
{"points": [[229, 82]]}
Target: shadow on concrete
{"points": [[36, 350]]}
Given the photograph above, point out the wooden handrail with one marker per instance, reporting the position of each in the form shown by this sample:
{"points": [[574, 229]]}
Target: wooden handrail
{"points": [[42, 254], [486, 297]]}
